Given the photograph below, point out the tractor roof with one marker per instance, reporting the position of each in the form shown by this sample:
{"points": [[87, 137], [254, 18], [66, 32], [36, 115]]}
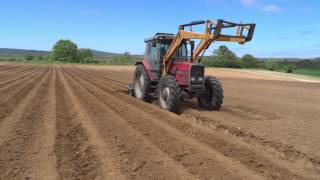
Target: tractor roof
{"points": [[160, 36]]}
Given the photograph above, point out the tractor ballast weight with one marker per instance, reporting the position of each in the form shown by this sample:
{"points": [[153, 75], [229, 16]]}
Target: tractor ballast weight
{"points": [[170, 71]]}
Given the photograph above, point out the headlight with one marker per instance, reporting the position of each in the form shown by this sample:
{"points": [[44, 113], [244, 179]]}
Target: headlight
{"points": [[192, 79], [200, 78]]}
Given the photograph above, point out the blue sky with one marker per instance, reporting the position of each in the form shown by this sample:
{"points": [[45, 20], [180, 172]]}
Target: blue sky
{"points": [[285, 28]]}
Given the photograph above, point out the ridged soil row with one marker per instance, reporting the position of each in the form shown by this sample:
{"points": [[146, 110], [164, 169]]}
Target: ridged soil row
{"points": [[12, 70], [11, 97], [3, 66], [196, 157], [113, 82], [18, 78], [13, 107], [8, 68], [8, 86], [136, 157], [280, 150], [15, 86], [16, 82], [43, 163], [77, 147], [20, 132], [251, 156]]}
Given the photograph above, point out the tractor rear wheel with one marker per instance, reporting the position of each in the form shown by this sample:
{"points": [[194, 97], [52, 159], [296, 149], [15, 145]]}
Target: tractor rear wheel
{"points": [[141, 83], [169, 94], [214, 97]]}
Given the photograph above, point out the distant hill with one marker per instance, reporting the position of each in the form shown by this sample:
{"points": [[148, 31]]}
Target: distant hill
{"points": [[102, 53], [25, 52], [21, 52]]}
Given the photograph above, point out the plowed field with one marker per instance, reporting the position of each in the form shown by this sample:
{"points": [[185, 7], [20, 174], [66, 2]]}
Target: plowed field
{"points": [[77, 122]]}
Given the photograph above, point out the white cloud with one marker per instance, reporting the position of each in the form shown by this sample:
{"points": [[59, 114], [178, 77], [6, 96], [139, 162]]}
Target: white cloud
{"points": [[90, 12], [307, 32], [271, 8], [248, 2], [215, 2], [260, 5], [317, 45]]}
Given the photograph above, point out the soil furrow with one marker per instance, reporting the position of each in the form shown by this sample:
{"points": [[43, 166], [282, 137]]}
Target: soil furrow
{"points": [[114, 82], [252, 155], [78, 122], [195, 156], [10, 68], [14, 95], [13, 114], [77, 158], [288, 153], [17, 78], [117, 132], [21, 131], [7, 86], [15, 87], [14, 71], [44, 160], [232, 147]]}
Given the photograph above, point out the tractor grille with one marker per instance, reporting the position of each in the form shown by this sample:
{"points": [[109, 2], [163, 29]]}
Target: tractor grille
{"points": [[196, 73]]}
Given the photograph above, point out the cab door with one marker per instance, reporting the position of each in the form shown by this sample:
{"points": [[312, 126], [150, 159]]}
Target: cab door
{"points": [[152, 57]]}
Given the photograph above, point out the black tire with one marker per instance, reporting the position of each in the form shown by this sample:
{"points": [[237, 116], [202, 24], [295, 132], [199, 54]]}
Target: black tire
{"points": [[214, 98], [141, 83], [169, 94]]}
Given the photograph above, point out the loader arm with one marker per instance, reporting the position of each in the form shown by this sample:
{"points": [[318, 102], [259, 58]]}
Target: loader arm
{"points": [[212, 33]]}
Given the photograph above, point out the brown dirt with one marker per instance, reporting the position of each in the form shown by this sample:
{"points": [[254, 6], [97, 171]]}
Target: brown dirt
{"points": [[77, 122]]}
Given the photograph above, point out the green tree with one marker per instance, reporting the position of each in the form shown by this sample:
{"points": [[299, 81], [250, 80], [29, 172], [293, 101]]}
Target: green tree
{"points": [[289, 68], [40, 58], [29, 58], [65, 50], [271, 65], [125, 58], [127, 55], [85, 55], [248, 61], [223, 57]]}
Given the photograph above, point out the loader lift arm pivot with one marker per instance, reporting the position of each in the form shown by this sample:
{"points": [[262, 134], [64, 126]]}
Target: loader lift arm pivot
{"points": [[212, 33]]}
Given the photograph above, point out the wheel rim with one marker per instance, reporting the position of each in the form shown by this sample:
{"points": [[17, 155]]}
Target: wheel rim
{"points": [[138, 86], [164, 97]]}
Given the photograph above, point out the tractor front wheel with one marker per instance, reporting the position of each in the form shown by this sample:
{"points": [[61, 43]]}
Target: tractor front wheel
{"points": [[169, 94], [141, 83], [214, 96]]}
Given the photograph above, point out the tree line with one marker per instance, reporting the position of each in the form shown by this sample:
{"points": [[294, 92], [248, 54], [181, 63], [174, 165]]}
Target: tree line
{"points": [[66, 51], [224, 57]]}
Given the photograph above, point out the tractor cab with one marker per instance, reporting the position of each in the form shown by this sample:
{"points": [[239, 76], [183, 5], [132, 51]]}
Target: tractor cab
{"points": [[156, 49]]}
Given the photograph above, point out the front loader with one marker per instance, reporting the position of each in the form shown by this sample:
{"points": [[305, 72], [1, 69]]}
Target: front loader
{"points": [[171, 69]]}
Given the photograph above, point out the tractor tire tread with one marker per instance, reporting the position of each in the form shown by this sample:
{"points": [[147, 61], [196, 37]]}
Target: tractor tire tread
{"points": [[140, 68], [175, 92], [216, 101]]}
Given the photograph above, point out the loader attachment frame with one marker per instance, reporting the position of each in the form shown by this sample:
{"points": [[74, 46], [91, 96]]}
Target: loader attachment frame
{"points": [[213, 32]]}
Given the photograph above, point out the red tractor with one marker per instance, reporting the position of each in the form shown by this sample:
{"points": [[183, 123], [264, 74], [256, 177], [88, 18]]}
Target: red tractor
{"points": [[171, 68]]}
